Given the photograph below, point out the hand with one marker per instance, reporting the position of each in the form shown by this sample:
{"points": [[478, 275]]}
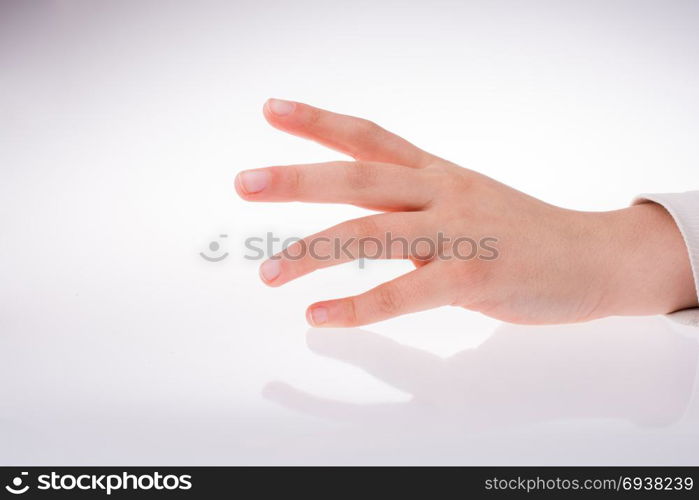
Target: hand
{"points": [[476, 243]]}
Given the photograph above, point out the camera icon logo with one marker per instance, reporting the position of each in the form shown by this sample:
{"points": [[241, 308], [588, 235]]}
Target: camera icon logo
{"points": [[16, 487], [215, 246]]}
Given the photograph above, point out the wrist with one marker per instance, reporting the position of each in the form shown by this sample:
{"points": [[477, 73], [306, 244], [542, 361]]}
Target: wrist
{"points": [[646, 262]]}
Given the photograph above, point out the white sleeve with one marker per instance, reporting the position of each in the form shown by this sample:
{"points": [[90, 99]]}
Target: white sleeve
{"points": [[684, 208]]}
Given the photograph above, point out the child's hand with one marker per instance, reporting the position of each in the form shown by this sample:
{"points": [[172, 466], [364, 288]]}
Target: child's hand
{"points": [[476, 243]]}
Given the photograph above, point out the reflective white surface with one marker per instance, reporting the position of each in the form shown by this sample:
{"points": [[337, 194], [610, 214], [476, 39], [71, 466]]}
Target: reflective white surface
{"points": [[615, 391], [122, 126]]}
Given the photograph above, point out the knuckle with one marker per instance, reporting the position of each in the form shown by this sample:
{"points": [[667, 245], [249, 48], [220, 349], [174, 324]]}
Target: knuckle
{"points": [[364, 132], [369, 127], [364, 227], [286, 179], [388, 299], [450, 180], [360, 175], [466, 283], [351, 311], [313, 116], [471, 275], [459, 272], [294, 180]]}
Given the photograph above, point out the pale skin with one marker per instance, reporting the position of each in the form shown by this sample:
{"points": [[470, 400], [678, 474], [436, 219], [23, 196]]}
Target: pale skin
{"points": [[553, 265]]}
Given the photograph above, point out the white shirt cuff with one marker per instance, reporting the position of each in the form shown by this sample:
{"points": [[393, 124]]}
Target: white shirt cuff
{"points": [[684, 209]]}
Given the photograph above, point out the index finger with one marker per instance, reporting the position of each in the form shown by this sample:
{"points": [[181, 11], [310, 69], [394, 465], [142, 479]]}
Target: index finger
{"points": [[357, 137]]}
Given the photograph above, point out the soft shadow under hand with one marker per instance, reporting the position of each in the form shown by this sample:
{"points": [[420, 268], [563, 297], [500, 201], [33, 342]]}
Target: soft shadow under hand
{"points": [[635, 369]]}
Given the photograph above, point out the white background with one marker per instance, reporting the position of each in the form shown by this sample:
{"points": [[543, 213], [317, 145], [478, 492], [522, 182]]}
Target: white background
{"points": [[122, 127]]}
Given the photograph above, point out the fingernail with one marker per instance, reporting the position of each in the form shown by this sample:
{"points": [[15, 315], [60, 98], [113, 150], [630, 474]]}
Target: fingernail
{"points": [[270, 269], [253, 181], [318, 316], [281, 108]]}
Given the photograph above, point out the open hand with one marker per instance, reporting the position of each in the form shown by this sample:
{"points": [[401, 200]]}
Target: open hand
{"points": [[476, 243]]}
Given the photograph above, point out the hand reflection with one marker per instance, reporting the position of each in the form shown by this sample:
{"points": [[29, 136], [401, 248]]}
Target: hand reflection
{"points": [[637, 369]]}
